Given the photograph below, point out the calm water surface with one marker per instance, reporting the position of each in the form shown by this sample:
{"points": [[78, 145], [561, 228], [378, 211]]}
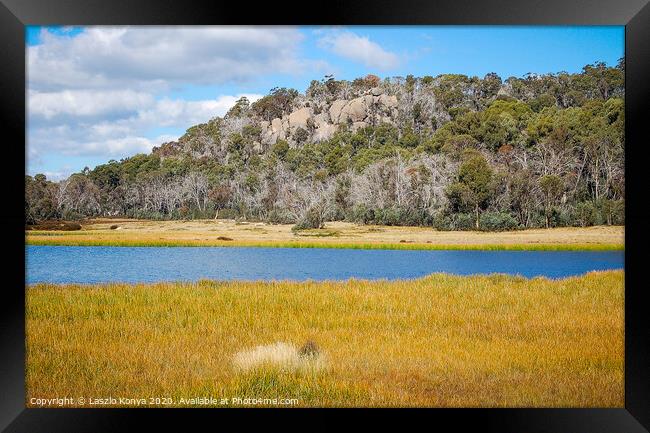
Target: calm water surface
{"points": [[58, 264]]}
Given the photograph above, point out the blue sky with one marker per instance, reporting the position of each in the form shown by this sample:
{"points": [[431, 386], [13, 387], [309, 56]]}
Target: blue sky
{"points": [[100, 93]]}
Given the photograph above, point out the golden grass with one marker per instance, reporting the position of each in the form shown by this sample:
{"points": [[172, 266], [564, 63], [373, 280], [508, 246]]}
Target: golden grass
{"points": [[334, 235], [438, 341]]}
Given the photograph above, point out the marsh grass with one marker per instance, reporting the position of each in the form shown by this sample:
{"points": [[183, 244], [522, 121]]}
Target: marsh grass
{"points": [[48, 239], [336, 235], [441, 341], [280, 356]]}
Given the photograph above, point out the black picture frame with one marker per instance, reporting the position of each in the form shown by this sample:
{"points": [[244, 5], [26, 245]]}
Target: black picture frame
{"points": [[16, 14]]}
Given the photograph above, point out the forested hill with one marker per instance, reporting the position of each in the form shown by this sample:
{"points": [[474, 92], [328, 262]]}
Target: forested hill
{"points": [[450, 151]]}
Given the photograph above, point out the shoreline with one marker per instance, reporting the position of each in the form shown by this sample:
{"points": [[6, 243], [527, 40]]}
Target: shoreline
{"points": [[324, 245], [350, 280], [335, 235]]}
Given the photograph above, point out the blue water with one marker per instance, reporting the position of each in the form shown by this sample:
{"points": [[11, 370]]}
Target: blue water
{"points": [[57, 264]]}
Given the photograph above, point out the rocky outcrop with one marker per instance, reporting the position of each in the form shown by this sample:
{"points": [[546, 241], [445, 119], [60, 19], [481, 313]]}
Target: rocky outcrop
{"points": [[370, 109], [299, 118]]}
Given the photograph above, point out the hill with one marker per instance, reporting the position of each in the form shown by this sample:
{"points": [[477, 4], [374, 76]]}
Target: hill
{"points": [[450, 151]]}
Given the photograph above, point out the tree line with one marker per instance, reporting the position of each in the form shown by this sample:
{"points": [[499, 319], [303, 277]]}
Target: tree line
{"points": [[464, 153]]}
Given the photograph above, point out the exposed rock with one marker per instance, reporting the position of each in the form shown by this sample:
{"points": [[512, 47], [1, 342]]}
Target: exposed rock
{"points": [[324, 131], [370, 109], [276, 125], [355, 110], [322, 117], [388, 101], [267, 136], [358, 125], [298, 119], [335, 110]]}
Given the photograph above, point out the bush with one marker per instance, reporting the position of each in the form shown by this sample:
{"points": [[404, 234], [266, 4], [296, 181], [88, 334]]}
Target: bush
{"points": [[69, 214], [277, 216], [463, 221], [611, 211], [586, 214], [312, 220], [114, 227], [362, 214], [454, 221], [309, 349], [590, 213], [391, 216], [498, 221]]}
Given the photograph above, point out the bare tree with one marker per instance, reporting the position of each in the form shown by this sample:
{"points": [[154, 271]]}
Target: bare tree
{"points": [[195, 187]]}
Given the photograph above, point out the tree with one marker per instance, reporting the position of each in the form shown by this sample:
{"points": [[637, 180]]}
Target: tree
{"points": [[606, 80], [276, 104], [552, 189], [474, 186], [195, 187], [313, 204], [416, 162]]}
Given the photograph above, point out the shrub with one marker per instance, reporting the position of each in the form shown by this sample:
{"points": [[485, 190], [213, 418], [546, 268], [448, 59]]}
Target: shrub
{"points": [[463, 221], [114, 227], [279, 216], [586, 214], [362, 214], [300, 135], [311, 220], [498, 221], [455, 221], [611, 211], [69, 214]]}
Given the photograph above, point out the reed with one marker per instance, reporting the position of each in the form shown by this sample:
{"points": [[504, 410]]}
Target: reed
{"points": [[438, 341], [71, 241]]}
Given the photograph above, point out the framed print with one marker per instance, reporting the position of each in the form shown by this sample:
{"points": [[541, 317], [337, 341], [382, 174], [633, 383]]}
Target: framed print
{"points": [[380, 210]]}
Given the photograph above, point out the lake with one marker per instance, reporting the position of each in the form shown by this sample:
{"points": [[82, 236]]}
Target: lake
{"points": [[60, 264]]}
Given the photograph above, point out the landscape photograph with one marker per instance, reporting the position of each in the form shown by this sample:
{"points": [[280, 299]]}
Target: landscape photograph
{"points": [[325, 216]]}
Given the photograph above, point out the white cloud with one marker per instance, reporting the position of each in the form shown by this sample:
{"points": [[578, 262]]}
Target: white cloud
{"points": [[156, 57], [168, 112], [104, 93], [90, 141], [358, 48], [86, 102], [66, 133]]}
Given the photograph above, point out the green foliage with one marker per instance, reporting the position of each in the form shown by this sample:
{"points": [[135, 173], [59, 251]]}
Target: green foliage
{"points": [[409, 139], [474, 187], [498, 221], [240, 108], [502, 123], [280, 149], [540, 150], [275, 104], [541, 102]]}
